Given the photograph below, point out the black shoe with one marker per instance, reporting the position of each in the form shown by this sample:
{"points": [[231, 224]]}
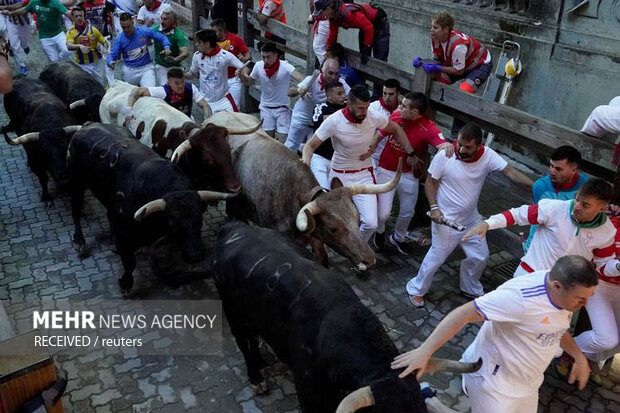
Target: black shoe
{"points": [[400, 246], [469, 296], [378, 241]]}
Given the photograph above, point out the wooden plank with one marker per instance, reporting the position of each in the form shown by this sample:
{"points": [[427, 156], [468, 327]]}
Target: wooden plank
{"points": [[507, 120], [286, 48], [198, 8], [297, 39]]}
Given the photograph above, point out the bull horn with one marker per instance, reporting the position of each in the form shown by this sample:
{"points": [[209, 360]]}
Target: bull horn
{"points": [[77, 104], [149, 208], [72, 128], [356, 400], [246, 131], [180, 151], [302, 220], [376, 189], [212, 195], [452, 366], [20, 140]]}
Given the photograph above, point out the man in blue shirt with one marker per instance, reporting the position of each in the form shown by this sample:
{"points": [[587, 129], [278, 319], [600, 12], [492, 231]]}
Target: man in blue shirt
{"points": [[132, 45], [563, 181]]}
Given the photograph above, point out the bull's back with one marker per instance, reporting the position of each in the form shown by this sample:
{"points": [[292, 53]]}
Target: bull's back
{"points": [[114, 101], [69, 82], [272, 178], [149, 110]]}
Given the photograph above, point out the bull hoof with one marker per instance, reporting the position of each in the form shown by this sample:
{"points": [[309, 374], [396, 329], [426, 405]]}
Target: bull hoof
{"points": [[80, 248], [260, 388]]}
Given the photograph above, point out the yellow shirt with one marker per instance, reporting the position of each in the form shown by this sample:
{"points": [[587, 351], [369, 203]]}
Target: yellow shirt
{"points": [[89, 37]]}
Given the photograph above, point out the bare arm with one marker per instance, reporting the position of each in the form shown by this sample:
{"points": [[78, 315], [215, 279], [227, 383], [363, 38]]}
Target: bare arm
{"points": [[309, 149], [262, 19], [430, 188], [245, 78], [451, 71], [581, 368], [189, 75], [517, 176], [206, 109], [183, 53], [395, 130], [448, 327]]}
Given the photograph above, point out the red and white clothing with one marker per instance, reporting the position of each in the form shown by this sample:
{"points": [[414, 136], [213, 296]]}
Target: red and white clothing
{"points": [[274, 100], [324, 33], [421, 132], [154, 14], [359, 16], [558, 234], [213, 72], [603, 341], [272, 9], [519, 338], [460, 184], [235, 45], [351, 139], [381, 107], [301, 119], [461, 51]]}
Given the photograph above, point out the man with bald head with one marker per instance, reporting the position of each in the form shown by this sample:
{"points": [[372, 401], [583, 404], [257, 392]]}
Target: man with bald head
{"points": [[311, 93]]}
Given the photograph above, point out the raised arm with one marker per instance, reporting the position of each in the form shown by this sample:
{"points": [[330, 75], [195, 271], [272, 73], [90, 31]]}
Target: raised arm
{"points": [[517, 176]]}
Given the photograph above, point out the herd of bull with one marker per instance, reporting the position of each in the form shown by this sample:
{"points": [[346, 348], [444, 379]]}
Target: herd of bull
{"points": [[74, 130]]}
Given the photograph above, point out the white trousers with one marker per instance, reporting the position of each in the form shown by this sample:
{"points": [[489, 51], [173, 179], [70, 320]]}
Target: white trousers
{"points": [[366, 204], [445, 240], [225, 104], [94, 69], [278, 119], [377, 154], [161, 73], [484, 399], [407, 189], [55, 48], [19, 36], [298, 133], [602, 342], [321, 168], [234, 88], [140, 76]]}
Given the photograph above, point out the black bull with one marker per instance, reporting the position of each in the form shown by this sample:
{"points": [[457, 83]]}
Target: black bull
{"points": [[313, 321], [146, 197]]}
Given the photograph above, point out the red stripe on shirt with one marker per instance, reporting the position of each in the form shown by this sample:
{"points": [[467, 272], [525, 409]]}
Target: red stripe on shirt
{"points": [[604, 252], [532, 214], [510, 220]]}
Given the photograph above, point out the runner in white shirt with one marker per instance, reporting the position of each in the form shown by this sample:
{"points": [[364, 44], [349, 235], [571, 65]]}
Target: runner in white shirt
{"points": [[211, 64], [526, 322], [150, 13], [386, 104], [309, 96], [604, 120], [352, 131], [274, 76], [453, 188], [572, 227]]}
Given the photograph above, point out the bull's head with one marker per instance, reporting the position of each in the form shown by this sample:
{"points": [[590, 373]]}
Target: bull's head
{"points": [[182, 212], [334, 219], [391, 394], [87, 109], [206, 157], [54, 143]]}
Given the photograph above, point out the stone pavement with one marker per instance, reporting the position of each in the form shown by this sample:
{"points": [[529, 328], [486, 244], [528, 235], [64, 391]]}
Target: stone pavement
{"points": [[39, 263]]}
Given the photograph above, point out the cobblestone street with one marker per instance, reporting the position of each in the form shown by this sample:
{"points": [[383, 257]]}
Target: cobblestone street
{"points": [[38, 262]]}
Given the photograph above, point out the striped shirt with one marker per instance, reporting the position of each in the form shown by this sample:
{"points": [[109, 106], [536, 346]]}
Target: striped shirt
{"points": [[90, 37], [16, 19]]}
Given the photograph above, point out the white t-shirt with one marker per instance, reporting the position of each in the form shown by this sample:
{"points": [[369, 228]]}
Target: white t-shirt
{"points": [[268, 8], [274, 90], [145, 15], [351, 139], [520, 335], [213, 71], [461, 182], [304, 108], [604, 120], [160, 92]]}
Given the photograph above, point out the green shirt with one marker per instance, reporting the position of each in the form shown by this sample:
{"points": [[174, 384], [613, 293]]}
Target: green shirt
{"points": [[48, 16], [177, 40]]}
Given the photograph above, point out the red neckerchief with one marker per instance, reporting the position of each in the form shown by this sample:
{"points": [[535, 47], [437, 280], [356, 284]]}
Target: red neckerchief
{"points": [[270, 71], [176, 97], [347, 114], [80, 29], [214, 51], [567, 185], [322, 81], [386, 107], [472, 160], [155, 6]]}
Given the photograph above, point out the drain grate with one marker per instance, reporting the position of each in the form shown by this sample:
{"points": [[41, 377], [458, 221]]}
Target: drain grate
{"points": [[506, 269]]}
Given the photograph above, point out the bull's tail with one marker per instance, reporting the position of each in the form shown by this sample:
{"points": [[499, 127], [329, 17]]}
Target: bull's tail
{"points": [[452, 366], [5, 131]]}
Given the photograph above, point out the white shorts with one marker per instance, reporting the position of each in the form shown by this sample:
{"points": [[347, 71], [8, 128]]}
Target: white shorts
{"points": [[484, 399], [140, 76], [225, 104], [278, 119], [161, 74], [55, 48]]}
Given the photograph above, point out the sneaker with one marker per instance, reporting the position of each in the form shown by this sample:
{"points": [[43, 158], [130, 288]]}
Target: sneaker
{"points": [[426, 390], [26, 50], [400, 246], [23, 70], [378, 241], [418, 238], [416, 301]]}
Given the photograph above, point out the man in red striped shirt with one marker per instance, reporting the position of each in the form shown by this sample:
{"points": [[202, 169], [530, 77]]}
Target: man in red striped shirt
{"points": [[573, 227]]}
